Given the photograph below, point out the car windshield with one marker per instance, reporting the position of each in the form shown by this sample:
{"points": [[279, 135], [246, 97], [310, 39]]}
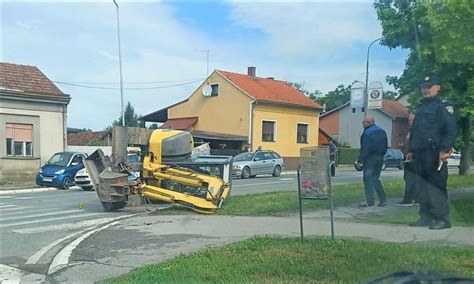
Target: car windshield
{"points": [[244, 157], [133, 159], [60, 159]]}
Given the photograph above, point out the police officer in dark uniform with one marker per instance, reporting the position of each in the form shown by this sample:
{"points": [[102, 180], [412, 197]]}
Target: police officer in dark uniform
{"points": [[431, 140]]}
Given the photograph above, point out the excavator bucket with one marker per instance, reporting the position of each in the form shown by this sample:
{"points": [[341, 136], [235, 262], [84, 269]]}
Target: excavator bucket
{"points": [[111, 187]]}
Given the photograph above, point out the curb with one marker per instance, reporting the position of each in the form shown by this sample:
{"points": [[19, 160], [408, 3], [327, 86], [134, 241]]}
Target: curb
{"points": [[30, 190]]}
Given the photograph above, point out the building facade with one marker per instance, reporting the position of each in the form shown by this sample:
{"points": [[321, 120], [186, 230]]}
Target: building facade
{"points": [[33, 119], [243, 112]]}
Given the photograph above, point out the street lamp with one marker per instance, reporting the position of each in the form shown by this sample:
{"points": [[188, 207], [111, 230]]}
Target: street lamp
{"points": [[207, 59], [120, 65], [366, 97]]}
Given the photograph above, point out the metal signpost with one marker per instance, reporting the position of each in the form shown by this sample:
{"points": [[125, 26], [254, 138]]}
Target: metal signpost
{"points": [[357, 95], [314, 179], [375, 95]]}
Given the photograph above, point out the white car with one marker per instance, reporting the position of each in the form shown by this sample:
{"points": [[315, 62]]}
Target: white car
{"points": [[83, 180], [454, 160]]}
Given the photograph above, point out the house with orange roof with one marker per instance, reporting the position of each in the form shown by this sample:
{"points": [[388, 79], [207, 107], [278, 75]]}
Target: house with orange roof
{"points": [[243, 112], [345, 124], [33, 120]]}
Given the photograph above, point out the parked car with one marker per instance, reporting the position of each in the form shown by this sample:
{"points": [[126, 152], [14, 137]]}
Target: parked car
{"points": [[61, 169], [455, 159], [393, 158], [251, 164], [83, 179]]}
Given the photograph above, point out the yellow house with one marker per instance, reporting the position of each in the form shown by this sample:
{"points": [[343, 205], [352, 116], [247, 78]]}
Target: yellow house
{"points": [[237, 112]]}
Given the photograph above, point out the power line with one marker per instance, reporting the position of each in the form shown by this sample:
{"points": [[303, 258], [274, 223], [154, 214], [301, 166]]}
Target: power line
{"points": [[112, 88], [130, 83]]}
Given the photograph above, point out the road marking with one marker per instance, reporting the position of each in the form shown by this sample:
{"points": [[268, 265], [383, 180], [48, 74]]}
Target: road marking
{"points": [[47, 220], [49, 196], [5, 197], [66, 226], [262, 183], [15, 208], [7, 206], [23, 212], [61, 260], [284, 179], [42, 215], [37, 256]]}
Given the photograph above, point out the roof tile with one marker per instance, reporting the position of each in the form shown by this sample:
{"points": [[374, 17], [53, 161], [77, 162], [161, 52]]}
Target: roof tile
{"points": [[265, 89], [82, 138], [27, 79]]}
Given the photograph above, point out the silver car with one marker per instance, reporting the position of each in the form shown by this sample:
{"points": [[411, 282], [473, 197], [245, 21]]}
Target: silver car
{"points": [[250, 164]]}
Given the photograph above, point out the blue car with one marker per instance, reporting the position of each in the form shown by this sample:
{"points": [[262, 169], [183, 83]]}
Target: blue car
{"points": [[60, 169]]}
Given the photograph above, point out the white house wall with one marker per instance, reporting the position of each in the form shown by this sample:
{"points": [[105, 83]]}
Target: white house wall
{"points": [[350, 125]]}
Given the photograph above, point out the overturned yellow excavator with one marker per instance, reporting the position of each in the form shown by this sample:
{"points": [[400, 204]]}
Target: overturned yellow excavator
{"points": [[169, 174]]}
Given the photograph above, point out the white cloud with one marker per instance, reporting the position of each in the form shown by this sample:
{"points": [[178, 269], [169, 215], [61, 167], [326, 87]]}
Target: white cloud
{"points": [[309, 29]]}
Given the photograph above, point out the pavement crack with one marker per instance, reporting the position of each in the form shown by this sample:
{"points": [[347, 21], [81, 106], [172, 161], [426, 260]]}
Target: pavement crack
{"points": [[103, 263]]}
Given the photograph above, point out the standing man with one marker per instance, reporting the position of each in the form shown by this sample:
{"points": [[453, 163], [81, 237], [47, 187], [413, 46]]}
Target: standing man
{"points": [[373, 145], [432, 137]]}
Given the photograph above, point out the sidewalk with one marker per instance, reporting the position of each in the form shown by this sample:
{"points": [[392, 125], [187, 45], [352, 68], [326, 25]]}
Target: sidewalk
{"points": [[157, 238]]}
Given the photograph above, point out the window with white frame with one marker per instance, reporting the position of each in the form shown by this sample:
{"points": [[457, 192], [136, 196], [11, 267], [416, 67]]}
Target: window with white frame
{"points": [[268, 131], [19, 139], [302, 133]]}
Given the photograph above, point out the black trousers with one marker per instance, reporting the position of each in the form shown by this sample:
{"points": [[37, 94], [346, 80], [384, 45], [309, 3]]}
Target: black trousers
{"points": [[409, 175], [431, 185]]}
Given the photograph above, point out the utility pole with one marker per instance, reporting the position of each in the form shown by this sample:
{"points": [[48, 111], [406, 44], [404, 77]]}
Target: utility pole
{"points": [[120, 65], [366, 95]]}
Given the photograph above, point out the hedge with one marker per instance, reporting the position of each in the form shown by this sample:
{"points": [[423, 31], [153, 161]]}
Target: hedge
{"points": [[347, 156]]}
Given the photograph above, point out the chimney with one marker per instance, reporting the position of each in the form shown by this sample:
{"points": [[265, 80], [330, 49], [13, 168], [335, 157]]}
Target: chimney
{"points": [[252, 71]]}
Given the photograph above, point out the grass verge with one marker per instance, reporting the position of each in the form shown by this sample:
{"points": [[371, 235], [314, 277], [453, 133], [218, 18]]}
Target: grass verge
{"points": [[282, 203], [270, 260]]}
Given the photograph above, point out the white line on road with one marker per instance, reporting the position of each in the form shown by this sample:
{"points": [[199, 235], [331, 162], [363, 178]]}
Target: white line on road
{"points": [[262, 183], [23, 212], [15, 208], [285, 179], [66, 226], [49, 196], [48, 220], [5, 197], [61, 260], [37, 256], [7, 206], [42, 215]]}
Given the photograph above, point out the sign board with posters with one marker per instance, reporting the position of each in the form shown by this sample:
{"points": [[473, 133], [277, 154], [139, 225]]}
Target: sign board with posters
{"points": [[314, 179], [314, 173], [375, 95], [357, 94]]}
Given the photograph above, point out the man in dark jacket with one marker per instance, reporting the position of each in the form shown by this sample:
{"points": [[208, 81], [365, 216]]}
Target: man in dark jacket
{"points": [[432, 137], [373, 145]]}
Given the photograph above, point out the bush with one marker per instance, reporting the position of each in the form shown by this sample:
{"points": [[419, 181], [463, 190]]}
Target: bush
{"points": [[347, 156]]}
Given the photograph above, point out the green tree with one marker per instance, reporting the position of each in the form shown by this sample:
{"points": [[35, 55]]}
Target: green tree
{"points": [[153, 126], [131, 119], [438, 34]]}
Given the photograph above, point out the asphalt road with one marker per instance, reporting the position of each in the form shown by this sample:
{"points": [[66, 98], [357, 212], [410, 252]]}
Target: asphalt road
{"points": [[35, 228]]}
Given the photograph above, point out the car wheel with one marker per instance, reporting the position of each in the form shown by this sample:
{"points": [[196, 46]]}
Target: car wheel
{"points": [[245, 173], [384, 166], [87, 188], [276, 171], [66, 183]]}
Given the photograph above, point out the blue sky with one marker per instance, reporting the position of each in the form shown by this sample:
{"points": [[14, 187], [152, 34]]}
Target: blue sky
{"points": [[321, 44]]}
